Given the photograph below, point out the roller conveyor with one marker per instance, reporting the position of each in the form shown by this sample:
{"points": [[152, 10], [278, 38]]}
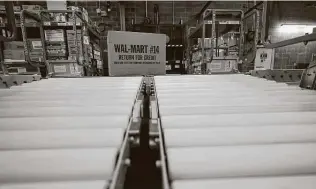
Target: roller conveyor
{"points": [[66, 133], [94, 184], [306, 182], [236, 131], [70, 122], [52, 139], [56, 165], [216, 131], [242, 161], [220, 136]]}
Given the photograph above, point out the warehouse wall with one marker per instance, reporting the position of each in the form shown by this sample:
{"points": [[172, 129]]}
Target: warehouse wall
{"points": [[183, 10], [292, 13]]}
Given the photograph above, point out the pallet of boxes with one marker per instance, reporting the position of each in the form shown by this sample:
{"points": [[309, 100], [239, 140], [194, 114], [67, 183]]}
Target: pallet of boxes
{"points": [[62, 62], [75, 47]]}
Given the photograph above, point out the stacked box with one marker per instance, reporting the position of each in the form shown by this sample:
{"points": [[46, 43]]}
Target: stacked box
{"points": [[32, 7], [62, 69], [36, 49], [55, 43], [14, 54], [14, 45], [17, 8], [14, 50], [73, 44], [55, 35]]}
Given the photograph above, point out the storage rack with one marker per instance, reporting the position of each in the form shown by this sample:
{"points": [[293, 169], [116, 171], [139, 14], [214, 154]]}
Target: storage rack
{"points": [[19, 63], [225, 21], [90, 40], [89, 37]]}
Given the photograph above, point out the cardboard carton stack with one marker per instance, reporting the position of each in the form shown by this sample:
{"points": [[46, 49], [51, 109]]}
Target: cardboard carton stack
{"points": [[36, 49], [55, 44], [73, 44], [14, 50]]}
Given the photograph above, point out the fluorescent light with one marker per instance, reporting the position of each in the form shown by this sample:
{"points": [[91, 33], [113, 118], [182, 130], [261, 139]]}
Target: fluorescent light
{"points": [[293, 28]]}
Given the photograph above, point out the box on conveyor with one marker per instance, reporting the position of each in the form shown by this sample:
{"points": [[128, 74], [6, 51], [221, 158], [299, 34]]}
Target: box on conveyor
{"points": [[14, 45], [14, 54]]}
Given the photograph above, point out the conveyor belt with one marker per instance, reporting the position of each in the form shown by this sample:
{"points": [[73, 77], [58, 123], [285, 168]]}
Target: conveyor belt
{"points": [[64, 133], [237, 131]]}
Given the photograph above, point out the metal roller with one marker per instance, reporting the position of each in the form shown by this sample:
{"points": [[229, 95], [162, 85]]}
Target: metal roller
{"points": [[236, 131], [240, 119], [242, 135], [34, 97], [242, 161], [91, 184], [238, 101], [66, 133], [62, 102], [56, 165], [69, 122], [50, 139], [191, 110], [65, 111], [291, 182]]}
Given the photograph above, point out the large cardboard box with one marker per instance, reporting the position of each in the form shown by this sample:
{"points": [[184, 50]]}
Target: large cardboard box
{"points": [[35, 44], [14, 45], [14, 54], [133, 53], [32, 7]]}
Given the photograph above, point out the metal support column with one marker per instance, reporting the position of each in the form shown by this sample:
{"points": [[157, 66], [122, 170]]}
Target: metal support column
{"points": [[122, 16]]}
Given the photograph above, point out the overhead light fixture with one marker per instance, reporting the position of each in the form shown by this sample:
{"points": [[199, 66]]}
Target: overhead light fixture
{"points": [[293, 28]]}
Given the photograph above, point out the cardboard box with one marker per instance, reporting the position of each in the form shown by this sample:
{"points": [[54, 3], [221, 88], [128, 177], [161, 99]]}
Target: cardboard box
{"points": [[32, 7], [17, 70], [14, 45], [17, 8], [14, 54], [35, 44]]}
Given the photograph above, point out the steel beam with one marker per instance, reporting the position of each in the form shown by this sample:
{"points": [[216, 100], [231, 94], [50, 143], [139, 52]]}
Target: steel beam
{"points": [[305, 38]]}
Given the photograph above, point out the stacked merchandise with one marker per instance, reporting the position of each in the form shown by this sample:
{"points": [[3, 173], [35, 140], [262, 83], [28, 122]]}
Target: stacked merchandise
{"points": [[14, 50], [34, 9], [15, 58], [73, 45], [55, 44], [36, 49], [4, 19], [97, 56]]}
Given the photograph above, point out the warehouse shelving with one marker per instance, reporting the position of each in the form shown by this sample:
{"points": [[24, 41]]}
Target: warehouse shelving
{"points": [[89, 36], [81, 65], [226, 21]]}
